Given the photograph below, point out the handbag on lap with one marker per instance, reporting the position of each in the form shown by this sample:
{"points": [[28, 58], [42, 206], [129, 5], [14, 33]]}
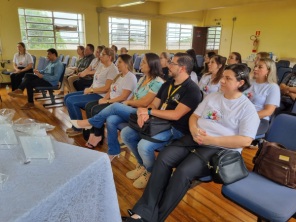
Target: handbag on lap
{"points": [[151, 127]]}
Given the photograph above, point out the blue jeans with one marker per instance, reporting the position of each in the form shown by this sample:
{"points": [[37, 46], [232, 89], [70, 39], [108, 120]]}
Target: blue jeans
{"points": [[144, 149], [113, 115], [76, 101]]}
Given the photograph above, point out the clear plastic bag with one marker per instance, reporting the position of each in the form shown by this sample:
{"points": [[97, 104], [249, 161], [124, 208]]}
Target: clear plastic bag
{"points": [[30, 126], [6, 115]]}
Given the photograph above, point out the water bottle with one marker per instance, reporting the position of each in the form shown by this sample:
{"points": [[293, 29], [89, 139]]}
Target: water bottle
{"points": [[7, 88]]}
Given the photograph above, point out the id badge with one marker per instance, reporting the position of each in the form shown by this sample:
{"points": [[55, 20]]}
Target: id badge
{"points": [[164, 106]]}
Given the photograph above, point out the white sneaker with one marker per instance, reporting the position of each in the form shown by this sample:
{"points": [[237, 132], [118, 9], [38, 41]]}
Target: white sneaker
{"points": [[136, 173], [142, 181]]}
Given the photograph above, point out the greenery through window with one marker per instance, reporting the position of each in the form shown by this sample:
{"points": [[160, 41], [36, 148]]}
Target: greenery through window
{"points": [[130, 33], [213, 38], [178, 36], [48, 29]]}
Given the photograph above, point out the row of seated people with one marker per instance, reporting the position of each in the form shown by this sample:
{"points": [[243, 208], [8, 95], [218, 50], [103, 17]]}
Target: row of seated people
{"points": [[176, 100], [225, 119]]}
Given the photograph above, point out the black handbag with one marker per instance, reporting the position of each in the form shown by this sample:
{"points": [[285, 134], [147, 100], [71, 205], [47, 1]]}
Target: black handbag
{"points": [[227, 166], [151, 127]]}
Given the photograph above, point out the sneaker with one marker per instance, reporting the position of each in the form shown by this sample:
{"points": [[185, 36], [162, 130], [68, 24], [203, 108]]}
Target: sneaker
{"points": [[136, 173], [28, 106], [142, 181], [17, 93]]}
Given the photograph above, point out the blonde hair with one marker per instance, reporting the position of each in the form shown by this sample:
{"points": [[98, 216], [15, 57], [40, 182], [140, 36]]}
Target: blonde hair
{"points": [[270, 64]]}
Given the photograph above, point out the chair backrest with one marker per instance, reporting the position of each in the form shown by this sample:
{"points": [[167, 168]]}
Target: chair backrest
{"points": [[294, 68], [293, 109], [61, 57], [34, 61], [137, 63], [41, 63], [283, 63], [282, 72], [200, 60], [66, 59], [282, 130], [73, 61], [62, 76], [135, 56]]}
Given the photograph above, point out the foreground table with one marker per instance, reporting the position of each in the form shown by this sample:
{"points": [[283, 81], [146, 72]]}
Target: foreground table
{"points": [[77, 186]]}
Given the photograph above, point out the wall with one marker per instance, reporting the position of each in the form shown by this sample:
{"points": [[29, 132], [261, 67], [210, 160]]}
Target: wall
{"points": [[275, 20], [158, 23], [10, 29]]}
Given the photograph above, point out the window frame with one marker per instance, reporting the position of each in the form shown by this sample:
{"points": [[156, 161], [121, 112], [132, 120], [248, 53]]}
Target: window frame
{"points": [[61, 30], [214, 43], [130, 33], [178, 35]]}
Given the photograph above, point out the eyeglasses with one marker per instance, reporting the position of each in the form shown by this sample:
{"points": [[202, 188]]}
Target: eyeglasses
{"points": [[103, 54], [172, 63]]}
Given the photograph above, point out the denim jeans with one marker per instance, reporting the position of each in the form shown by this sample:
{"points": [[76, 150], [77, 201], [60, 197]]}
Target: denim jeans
{"points": [[113, 115], [144, 149], [76, 101]]}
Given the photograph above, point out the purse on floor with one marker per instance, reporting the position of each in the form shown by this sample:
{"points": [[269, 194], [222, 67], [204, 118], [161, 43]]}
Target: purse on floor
{"points": [[276, 163], [226, 166], [151, 127]]}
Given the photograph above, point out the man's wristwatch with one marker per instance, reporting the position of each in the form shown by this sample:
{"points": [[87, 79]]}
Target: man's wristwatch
{"points": [[149, 111]]}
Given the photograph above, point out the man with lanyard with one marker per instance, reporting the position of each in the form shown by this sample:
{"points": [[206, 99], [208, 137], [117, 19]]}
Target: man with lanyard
{"points": [[175, 101]]}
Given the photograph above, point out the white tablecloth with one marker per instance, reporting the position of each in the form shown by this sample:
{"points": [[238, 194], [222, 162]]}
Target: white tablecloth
{"points": [[77, 186]]}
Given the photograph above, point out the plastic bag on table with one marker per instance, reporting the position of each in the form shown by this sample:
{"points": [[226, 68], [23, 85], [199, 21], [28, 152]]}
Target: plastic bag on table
{"points": [[6, 115], [30, 126]]}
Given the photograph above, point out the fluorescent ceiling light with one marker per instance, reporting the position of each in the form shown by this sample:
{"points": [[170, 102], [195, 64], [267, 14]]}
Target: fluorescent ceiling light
{"points": [[132, 3]]}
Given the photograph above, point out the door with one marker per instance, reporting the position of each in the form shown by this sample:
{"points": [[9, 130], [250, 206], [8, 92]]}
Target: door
{"points": [[199, 40]]}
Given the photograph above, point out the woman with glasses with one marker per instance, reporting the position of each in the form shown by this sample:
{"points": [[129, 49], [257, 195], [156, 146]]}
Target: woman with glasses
{"points": [[176, 166], [210, 82], [103, 78], [118, 113]]}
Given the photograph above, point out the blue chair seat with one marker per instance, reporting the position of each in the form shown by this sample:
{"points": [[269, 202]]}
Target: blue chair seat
{"points": [[263, 197]]}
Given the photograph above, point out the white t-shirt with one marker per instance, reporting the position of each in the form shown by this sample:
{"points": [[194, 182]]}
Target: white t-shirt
{"points": [[261, 94], [102, 74], [223, 117], [22, 60], [128, 82], [206, 86], [95, 64], [194, 77]]}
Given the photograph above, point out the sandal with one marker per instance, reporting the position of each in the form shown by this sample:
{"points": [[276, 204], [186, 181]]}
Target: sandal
{"points": [[90, 146]]}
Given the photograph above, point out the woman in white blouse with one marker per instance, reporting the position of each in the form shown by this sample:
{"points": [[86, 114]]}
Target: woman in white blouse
{"points": [[22, 64]]}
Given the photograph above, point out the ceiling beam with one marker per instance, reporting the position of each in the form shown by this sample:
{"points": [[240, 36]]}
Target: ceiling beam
{"points": [[174, 6]]}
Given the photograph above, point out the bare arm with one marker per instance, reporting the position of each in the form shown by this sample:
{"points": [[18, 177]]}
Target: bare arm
{"points": [[103, 89], [124, 95], [200, 136], [143, 102], [266, 111], [175, 114]]}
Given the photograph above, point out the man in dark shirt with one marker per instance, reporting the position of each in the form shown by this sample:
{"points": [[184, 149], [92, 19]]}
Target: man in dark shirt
{"points": [[85, 62], [176, 100]]}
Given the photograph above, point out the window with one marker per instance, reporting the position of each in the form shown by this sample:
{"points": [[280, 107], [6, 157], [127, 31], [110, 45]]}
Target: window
{"points": [[179, 36], [47, 29], [213, 38], [130, 33]]}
